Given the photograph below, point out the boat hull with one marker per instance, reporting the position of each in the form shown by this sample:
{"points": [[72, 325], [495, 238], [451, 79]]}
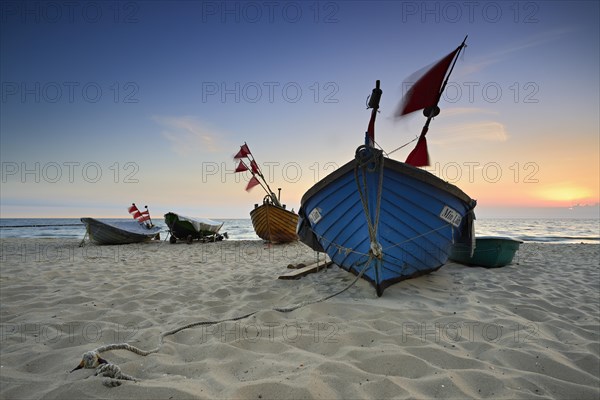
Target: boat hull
{"points": [[187, 228], [121, 232], [420, 217], [274, 224], [490, 252]]}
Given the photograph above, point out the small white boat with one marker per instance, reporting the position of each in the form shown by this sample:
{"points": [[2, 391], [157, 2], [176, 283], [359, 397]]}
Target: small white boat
{"points": [[119, 232]]}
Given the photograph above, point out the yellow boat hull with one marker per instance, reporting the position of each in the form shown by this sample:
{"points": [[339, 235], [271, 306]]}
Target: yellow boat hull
{"points": [[274, 224]]}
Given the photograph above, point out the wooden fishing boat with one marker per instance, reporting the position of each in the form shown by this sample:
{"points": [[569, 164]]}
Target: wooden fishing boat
{"points": [[385, 220], [190, 228], [489, 252], [271, 220], [273, 223], [118, 232]]}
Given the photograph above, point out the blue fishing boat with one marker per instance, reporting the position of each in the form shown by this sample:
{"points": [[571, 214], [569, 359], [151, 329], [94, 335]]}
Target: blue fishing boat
{"points": [[383, 219]]}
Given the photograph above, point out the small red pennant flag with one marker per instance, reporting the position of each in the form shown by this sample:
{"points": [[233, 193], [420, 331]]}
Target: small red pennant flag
{"points": [[254, 166], [251, 183], [244, 151], [419, 157], [241, 167], [132, 209]]}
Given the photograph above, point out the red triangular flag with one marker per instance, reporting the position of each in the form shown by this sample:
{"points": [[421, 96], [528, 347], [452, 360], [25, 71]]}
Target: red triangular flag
{"points": [[419, 157], [244, 151], [426, 90], [132, 209], [254, 166], [251, 183], [241, 167]]}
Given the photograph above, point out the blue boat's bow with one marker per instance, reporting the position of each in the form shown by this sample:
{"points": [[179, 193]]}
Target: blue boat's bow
{"points": [[382, 219]]}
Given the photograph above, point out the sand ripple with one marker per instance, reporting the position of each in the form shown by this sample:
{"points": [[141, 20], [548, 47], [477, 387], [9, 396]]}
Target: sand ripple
{"points": [[523, 331]]}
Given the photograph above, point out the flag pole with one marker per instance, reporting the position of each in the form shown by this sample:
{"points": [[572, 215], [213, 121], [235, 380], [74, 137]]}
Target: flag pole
{"points": [[253, 174], [245, 152], [267, 189], [149, 219], [374, 104], [259, 172], [416, 156], [433, 111]]}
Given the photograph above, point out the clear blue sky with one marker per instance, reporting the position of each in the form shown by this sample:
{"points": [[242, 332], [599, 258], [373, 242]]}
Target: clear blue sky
{"points": [[108, 103]]}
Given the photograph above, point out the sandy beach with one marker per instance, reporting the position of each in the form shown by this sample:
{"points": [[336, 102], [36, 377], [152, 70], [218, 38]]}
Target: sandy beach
{"points": [[528, 330]]}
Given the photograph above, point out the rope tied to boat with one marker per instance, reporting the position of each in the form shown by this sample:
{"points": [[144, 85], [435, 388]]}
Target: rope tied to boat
{"points": [[370, 160]]}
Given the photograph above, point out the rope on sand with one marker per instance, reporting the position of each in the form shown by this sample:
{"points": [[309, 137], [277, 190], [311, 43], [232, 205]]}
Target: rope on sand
{"points": [[92, 359]]}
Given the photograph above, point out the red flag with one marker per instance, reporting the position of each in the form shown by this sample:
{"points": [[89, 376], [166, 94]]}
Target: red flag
{"points": [[253, 182], [144, 216], [419, 157], [241, 167], [132, 209], [254, 166], [244, 151], [426, 90]]}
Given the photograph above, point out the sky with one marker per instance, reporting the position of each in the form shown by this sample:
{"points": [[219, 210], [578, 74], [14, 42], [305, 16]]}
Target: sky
{"points": [[108, 103]]}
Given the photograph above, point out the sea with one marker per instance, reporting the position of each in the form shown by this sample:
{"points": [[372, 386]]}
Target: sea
{"points": [[528, 230]]}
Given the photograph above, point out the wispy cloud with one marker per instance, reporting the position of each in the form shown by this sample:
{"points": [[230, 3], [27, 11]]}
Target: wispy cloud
{"points": [[461, 111], [501, 54], [188, 135], [488, 131]]}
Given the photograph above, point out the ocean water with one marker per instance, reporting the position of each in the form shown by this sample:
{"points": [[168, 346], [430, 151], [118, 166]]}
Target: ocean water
{"points": [[70, 228], [528, 230]]}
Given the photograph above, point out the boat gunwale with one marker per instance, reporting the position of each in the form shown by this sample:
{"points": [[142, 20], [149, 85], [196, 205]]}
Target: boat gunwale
{"points": [[397, 166]]}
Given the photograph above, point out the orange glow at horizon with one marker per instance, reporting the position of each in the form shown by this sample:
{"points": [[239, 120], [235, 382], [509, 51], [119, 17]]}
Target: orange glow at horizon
{"points": [[566, 195], [551, 195]]}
